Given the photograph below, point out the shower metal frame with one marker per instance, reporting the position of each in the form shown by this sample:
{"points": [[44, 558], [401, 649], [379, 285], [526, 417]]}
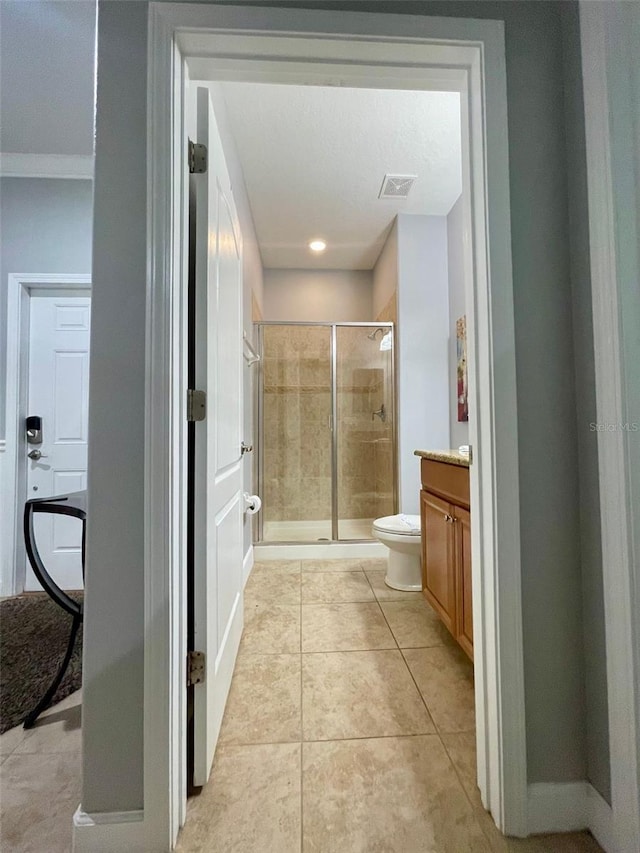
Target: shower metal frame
{"points": [[259, 409]]}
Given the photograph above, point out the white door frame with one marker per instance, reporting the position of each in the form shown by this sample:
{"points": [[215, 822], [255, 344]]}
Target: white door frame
{"points": [[14, 484], [381, 46], [617, 448]]}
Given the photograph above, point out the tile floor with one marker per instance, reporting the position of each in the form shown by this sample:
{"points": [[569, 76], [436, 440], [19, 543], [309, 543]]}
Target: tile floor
{"points": [[349, 728], [40, 781]]}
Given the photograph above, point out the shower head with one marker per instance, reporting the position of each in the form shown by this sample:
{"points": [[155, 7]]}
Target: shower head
{"points": [[372, 335]]}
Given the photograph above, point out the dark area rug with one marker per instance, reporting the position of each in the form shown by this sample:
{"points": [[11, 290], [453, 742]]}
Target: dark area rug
{"points": [[33, 637]]}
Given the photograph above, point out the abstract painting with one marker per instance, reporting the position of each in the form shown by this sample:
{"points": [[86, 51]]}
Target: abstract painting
{"points": [[461, 370]]}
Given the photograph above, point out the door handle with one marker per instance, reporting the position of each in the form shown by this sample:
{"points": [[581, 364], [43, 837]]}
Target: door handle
{"points": [[36, 454], [245, 448]]}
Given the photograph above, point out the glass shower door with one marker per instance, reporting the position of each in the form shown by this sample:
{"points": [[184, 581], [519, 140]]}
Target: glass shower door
{"points": [[296, 444], [365, 428]]}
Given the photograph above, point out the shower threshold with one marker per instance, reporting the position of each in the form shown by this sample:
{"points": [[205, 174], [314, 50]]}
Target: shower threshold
{"points": [[317, 530]]}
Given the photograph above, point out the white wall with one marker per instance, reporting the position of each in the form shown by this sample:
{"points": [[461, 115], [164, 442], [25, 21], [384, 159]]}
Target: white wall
{"points": [[385, 272], [46, 228], [318, 295], [455, 248], [423, 347]]}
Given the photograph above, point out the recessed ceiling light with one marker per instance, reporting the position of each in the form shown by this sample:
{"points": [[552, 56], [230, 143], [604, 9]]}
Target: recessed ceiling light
{"points": [[317, 245]]}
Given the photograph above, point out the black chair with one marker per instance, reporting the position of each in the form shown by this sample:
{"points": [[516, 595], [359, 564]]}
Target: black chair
{"points": [[75, 506]]}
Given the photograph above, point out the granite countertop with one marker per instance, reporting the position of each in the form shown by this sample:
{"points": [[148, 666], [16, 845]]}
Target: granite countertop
{"points": [[450, 456]]}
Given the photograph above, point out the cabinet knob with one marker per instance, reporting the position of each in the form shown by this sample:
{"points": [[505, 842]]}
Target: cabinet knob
{"points": [[449, 518]]}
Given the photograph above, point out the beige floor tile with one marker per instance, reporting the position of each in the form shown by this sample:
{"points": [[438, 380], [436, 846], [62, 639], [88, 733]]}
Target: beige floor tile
{"points": [[444, 676], [276, 565], [276, 586], [327, 587], [271, 628], [360, 694], [264, 701], [344, 627], [251, 803], [349, 565], [40, 794], [374, 564], [462, 751], [58, 729], [10, 739], [385, 795], [414, 624], [384, 592]]}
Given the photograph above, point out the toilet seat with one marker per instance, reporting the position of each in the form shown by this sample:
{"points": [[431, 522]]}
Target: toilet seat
{"points": [[397, 525]]}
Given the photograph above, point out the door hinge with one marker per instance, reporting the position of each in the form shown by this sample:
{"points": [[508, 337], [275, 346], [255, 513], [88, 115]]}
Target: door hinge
{"points": [[198, 158], [196, 405], [196, 668]]}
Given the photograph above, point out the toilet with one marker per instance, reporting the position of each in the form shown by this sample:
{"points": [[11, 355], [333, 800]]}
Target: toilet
{"points": [[401, 535]]}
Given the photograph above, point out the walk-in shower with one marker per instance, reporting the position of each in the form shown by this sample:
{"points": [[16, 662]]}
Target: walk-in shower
{"points": [[327, 430]]}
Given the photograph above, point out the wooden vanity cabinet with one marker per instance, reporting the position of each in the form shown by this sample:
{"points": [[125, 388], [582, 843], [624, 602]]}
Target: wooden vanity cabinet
{"points": [[438, 555], [446, 547]]}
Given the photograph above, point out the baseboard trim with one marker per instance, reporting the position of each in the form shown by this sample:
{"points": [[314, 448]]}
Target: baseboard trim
{"points": [[600, 817], [569, 807], [332, 550], [247, 565], [117, 832]]}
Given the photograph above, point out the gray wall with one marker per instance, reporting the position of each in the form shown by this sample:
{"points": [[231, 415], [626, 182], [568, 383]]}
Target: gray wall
{"points": [[46, 228], [315, 295], [385, 272], [548, 464], [113, 658], [422, 347], [457, 308], [597, 716], [47, 61]]}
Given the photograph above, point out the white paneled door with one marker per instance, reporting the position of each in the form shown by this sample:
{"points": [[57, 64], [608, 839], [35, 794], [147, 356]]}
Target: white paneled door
{"points": [[218, 615], [58, 392]]}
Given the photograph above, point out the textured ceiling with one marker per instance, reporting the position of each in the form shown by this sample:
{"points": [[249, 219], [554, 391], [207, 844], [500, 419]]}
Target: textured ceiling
{"points": [[314, 158], [47, 54]]}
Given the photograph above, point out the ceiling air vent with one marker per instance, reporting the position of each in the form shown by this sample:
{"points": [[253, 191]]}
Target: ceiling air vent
{"points": [[396, 186]]}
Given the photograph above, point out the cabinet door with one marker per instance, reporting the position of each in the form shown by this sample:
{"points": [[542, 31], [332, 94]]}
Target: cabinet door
{"points": [[438, 555], [464, 628]]}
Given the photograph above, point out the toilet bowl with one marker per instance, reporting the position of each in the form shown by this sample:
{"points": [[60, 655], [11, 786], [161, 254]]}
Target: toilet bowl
{"points": [[401, 535]]}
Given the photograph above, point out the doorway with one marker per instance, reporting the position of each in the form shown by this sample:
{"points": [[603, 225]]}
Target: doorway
{"points": [[430, 58], [47, 378]]}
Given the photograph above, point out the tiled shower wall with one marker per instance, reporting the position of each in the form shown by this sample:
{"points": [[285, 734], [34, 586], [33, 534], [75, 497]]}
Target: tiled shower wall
{"points": [[365, 442], [296, 424]]}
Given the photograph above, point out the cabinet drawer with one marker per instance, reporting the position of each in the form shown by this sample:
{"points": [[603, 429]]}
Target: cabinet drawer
{"points": [[451, 482]]}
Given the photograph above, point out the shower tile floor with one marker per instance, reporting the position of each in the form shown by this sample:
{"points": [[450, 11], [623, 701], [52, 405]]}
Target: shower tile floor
{"points": [[312, 531], [349, 727]]}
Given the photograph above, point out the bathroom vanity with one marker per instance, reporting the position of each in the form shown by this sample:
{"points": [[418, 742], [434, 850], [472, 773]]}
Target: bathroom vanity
{"points": [[446, 541]]}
